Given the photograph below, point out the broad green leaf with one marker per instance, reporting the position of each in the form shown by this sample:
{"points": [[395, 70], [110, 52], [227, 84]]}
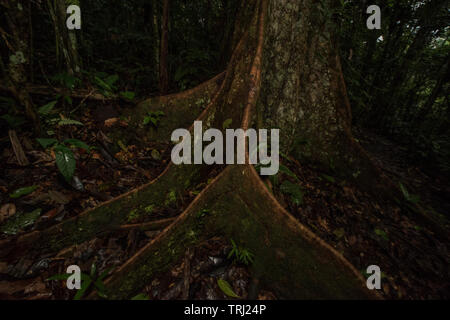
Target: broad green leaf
{"points": [[156, 155], [128, 95], [22, 192], [110, 80], [45, 110], [287, 171], [77, 143], [329, 178], [100, 287], [93, 270], [45, 143], [102, 84], [69, 122], [20, 221], [68, 99], [339, 233], [226, 288], [227, 123], [65, 161], [293, 190], [84, 286], [382, 234], [63, 276], [409, 197]]}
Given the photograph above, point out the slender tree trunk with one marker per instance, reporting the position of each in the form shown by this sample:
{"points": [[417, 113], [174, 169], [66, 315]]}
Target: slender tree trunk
{"points": [[66, 40], [443, 77], [157, 37], [17, 68], [164, 52]]}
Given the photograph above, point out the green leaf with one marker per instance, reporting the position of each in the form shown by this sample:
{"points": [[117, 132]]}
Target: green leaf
{"points": [[227, 123], [328, 178], [84, 286], [63, 276], [93, 270], [111, 80], [339, 233], [68, 99], [409, 197], [65, 161], [287, 171], [45, 143], [104, 274], [141, 296], [382, 234], [102, 84], [45, 110], [293, 190], [20, 221], [404, 190], [22, 192], [77, 143], [226, 288], [69, 122], [128, 95], [100, 287], [156, 155]]}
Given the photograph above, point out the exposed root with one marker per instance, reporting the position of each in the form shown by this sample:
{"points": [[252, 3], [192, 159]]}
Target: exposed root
{"points": [[289, 258]]}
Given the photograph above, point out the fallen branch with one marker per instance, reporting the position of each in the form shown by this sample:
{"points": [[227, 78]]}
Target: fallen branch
{"points": [[18, 150]]}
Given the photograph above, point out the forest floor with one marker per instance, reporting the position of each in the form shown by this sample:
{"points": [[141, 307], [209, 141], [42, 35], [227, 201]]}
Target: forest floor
{"points": [[413, 260]]}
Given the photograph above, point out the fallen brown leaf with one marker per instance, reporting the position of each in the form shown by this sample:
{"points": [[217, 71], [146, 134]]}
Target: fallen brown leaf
{"points": [[7, 211]]}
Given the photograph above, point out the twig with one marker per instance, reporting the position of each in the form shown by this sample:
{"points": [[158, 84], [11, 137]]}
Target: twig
{"points": [[187, 274]]}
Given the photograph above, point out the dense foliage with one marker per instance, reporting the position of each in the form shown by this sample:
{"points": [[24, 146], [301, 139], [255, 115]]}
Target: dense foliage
{"points": [[398, 76]]}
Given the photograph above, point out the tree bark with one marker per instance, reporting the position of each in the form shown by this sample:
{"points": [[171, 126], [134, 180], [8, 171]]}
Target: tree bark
{"points": [[66, 40], [443, 77], [17, 20], [164, 52]]}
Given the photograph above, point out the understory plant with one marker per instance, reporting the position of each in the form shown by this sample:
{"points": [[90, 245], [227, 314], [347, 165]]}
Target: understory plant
{"points": [[64, 156]]}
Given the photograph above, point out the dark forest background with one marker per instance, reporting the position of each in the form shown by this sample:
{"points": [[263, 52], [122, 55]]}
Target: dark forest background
{"points": [[397, 77]]}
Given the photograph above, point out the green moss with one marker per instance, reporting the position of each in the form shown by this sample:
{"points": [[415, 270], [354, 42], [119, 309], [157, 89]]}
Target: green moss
{"points": [[149, 209], [284, 259], [133, 215], [171, 198]]}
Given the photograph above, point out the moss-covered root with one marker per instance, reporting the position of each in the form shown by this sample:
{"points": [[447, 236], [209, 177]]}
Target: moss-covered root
{"points": [[289, 258], [175, 180], [180, 110]]}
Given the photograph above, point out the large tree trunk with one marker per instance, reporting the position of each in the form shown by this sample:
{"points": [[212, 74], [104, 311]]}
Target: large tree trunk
{"points": [[282, 73]]}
